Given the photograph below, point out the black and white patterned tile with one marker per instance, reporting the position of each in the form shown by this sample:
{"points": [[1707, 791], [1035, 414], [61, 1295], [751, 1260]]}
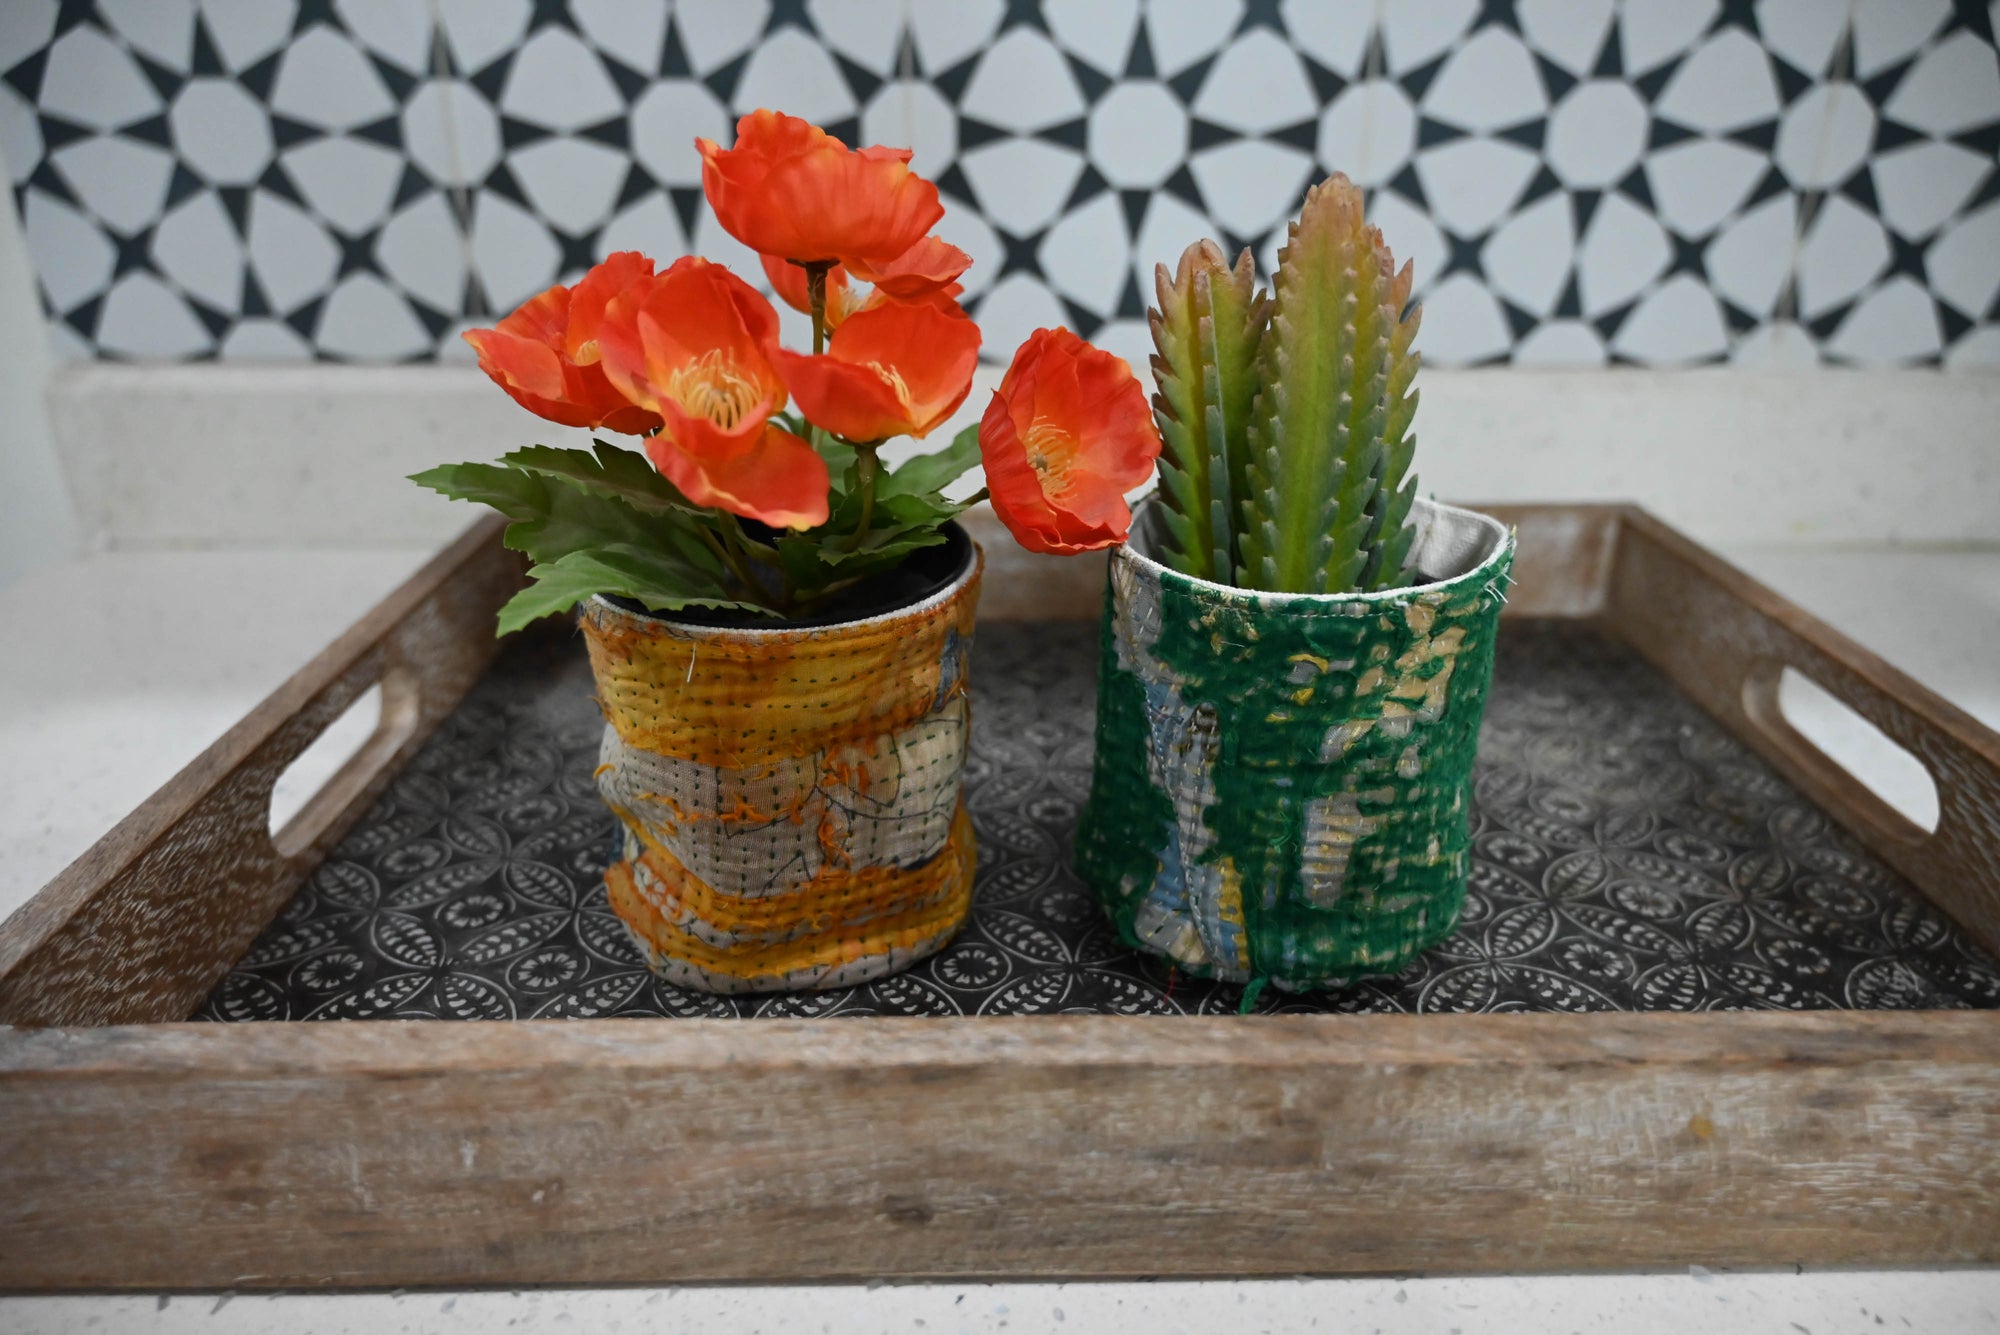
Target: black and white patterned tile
{"points": [[1660, 182]]}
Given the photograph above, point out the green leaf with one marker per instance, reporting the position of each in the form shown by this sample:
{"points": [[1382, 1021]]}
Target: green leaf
{"points": [[515, 494], [933, 472], [625, 477], [814, 567], [901, 524], [654, 578], [839, 455], [554, 515], [611, 471]]}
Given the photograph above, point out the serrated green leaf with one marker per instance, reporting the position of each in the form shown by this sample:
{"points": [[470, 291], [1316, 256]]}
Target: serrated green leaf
{"points": [[554, 515], [515, 494], [901, 525], [654, 578], [611, 471], [926, 474]]}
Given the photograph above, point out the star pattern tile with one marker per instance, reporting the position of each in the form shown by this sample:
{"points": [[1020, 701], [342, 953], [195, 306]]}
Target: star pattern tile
{"points": [[1658, 182]]}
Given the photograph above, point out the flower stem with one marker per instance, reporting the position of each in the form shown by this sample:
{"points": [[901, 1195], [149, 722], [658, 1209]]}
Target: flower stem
{"points": [[866, 467], [732, 558], [816, 272], [788, 595], [756, 551]]}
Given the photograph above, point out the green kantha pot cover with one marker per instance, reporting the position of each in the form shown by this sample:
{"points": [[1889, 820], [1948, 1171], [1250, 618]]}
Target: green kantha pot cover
{"points": [[1283, 782]]}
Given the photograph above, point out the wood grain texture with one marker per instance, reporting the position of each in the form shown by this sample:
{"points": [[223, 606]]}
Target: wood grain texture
{"points": [[140, 927], [1562, 556], [1561, 566], [1725, 639], [611, 1151]]}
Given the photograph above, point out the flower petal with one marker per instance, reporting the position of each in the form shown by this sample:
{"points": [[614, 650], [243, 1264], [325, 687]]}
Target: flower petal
{"points": [[857, 402], [890, 370], [587, 299], [924, 268], [1066, 435], [694, 332], [529, 354], [776, 477], [791, 190]]}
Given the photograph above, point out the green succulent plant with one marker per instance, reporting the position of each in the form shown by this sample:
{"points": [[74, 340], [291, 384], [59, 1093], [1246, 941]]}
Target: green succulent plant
{"points": [[1285, 420]]}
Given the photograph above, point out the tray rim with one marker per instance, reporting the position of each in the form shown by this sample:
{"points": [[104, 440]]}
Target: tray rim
{"points": [[428, 641]]}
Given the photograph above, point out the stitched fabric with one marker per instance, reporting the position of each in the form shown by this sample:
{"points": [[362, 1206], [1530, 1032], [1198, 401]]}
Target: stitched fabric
{"points": [[789, 799], [1282, 786]]}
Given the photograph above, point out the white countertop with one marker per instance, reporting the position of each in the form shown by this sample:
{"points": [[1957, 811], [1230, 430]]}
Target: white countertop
{"points": [[122, 666]]}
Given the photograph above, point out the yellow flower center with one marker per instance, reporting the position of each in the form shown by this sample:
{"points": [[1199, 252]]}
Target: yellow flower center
{"points": [[894, 378], [1051, 453], [715, 387]]}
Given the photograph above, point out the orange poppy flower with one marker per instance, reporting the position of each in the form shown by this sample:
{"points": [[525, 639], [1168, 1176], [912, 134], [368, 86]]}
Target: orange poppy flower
{"points": [[689, 345], [543, 354], [1067, 434], [909, 279], [924, 268], [890, 370], [788, 280], [790, 189]]}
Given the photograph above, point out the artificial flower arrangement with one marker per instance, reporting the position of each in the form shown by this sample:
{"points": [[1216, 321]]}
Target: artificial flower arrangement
{"points": [[1296, 647], [778, 625], [758, 485]]}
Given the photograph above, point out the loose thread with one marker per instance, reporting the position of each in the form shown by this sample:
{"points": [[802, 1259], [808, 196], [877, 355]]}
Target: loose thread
{"points": [[1251, 991]]}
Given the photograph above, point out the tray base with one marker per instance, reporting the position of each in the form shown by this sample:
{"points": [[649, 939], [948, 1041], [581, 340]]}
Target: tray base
{"points": [[1629, 854]]}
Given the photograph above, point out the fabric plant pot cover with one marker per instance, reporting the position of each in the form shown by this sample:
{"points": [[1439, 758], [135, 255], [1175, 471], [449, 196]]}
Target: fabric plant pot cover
{"points": [[788, 794], [1283, 782]]}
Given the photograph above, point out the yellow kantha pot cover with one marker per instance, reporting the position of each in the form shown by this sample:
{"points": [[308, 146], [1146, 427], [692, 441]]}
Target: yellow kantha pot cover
{"points": [[789, 796]]}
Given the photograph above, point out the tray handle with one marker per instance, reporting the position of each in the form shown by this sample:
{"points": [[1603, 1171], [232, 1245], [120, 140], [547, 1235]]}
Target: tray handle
{"points": [[142, 927], [1850, 800], [337, 803], [1726, 639]]}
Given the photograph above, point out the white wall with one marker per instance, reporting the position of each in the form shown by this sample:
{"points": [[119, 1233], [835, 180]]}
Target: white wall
{"points": [[316, 456], [37, 523]]}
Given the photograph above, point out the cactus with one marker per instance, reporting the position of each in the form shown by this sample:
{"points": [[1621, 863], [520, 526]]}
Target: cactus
{"points": [[1389, 532], [1207, 328], [1311, 492]]}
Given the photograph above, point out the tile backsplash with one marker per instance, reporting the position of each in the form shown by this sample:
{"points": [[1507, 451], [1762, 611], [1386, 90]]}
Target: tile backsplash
{"points": [[1661, 182]]}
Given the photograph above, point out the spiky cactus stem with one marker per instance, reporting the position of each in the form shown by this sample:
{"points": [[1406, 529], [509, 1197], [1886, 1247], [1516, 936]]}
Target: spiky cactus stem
{"points": [[1389, 532], [1328, 491], [1207, 328]]}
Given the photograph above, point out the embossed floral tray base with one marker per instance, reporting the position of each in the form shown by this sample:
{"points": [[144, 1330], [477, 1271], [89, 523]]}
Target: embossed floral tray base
{"points": [[1630, 854]]}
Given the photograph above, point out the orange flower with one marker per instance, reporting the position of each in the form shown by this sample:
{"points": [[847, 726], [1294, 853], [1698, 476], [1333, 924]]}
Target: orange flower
{"points": [[788, 280], [1066, 436], [792, 190], [543, 354], [890, 370], [688, 344], [921, 274], [924, 268]]}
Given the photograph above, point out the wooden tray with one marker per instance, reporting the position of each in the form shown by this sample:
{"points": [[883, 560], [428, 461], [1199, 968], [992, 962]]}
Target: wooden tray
{"points": [[139, 1151]]}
